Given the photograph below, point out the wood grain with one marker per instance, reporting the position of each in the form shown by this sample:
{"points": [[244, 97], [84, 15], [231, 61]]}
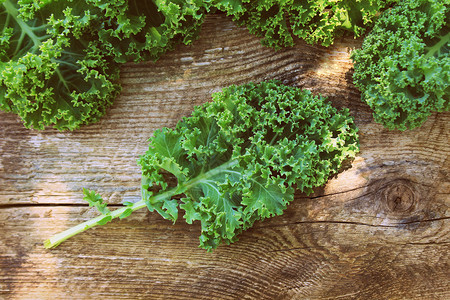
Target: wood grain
{"points": [[378, 230]]}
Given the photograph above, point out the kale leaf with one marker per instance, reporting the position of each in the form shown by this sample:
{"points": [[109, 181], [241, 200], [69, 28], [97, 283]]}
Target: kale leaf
{"points": [[127, 30], [52, 78], [317, 22], [403, 68], [59, 60], [239, 159]]}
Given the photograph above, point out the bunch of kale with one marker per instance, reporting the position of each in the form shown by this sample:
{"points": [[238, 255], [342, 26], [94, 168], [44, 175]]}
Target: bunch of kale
{"points": [[59, 60], [236, 160], [403, 68]]}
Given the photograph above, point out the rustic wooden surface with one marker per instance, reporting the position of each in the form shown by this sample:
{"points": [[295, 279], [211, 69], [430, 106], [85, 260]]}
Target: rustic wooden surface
{"points": [[379, 230]]}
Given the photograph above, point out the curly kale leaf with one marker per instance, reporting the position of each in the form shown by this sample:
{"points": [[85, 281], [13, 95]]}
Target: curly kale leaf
{"points": [[127, 30], [239, 159], [52, 79], [314, 21], [403, 68], [59, 59]]}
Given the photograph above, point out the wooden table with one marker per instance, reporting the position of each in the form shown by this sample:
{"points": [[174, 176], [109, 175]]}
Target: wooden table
{"points": [[379, 230]]}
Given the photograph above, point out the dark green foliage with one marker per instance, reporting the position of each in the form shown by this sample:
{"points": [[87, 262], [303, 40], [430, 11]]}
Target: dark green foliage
{"points": [[59, 59], [236, 160], [403, 68], [128, 30], [239, 158], [49, 77], [314, 21]]}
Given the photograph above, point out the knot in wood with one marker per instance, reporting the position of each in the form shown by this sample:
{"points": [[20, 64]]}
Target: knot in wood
{"points": [[400, 197]]}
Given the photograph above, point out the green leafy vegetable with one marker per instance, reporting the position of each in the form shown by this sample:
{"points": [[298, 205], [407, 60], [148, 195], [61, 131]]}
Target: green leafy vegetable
{"points": [[314, 21], [127, 30], [59, 59], [238, 159], [49, 77], [403, 68]]}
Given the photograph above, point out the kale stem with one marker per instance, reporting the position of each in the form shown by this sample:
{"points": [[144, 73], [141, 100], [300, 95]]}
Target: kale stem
{"points": [[436, 48], [26, 29], [58, 238]]}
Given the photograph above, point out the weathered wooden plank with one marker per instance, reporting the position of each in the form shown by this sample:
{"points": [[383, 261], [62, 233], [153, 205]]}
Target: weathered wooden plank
{"points": [[379, 230], [294, 256]]}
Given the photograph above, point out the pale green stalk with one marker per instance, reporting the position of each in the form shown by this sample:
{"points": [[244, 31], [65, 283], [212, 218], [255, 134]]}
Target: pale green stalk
{"points": [[57, 239]]}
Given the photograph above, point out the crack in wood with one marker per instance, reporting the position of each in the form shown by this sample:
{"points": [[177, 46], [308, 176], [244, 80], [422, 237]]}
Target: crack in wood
{"points": [[426, 243], [393, 225], [394, 244]]}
